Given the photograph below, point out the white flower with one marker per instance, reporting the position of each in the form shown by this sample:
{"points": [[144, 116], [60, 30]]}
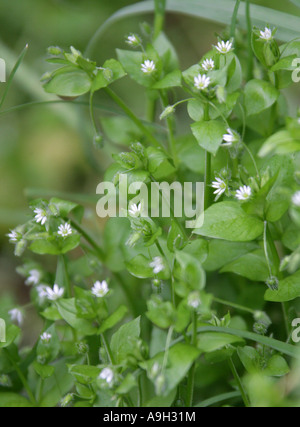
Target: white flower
{"points": [[267, 34], [208, 64], [55, 293], [100, 289], [45, 337], [194, 300], [65, 230], [157, 264], [296, 199], [201, 82], [230, 137], [148, 67], [135, 210], [223, 47], [33, 278], [133, 40], [220, 186], [42, 294], [16, 315], [243, 193], [41, 215], [13, 236], [107, 375]]}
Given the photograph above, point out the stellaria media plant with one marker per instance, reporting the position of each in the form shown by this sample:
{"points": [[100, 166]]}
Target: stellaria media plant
{"points": [[151, 313]]}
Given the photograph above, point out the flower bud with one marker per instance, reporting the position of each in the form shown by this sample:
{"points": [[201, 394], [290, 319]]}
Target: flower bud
{"points": [[167, 112], [272, 283]]}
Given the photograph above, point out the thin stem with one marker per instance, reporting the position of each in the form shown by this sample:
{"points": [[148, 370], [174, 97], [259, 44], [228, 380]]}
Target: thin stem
{"points": [[167, 348], [266, 248], [239, 383], [249, 34], [92, 114], [12, 74], [22, 378], [236, 306], [89, 239], [234, 18], [135, 119], [108, 349], [207, 178], [160, 8], [191, 376], [170, 124]]}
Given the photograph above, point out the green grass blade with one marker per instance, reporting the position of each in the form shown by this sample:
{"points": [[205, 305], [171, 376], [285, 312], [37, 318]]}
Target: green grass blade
{"points": [[218, 399], [219, 11], [281, 347], [12, 74]]}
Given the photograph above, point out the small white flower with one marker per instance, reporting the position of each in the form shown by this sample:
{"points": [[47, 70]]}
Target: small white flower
{"points": [[157, 264], [266, 34], [55, 293], [194, 300], [13, 236], [100, 289], [16, 315], [223, 47], [133, 40], [42, 294], [201, 82], [296, 199], [41, 216], [107, 375], [230, 138], [45, 337], [65, 230], [148, 67], [135, 210], [33, 278], [243, 193], [220, 186], [208, 64]]}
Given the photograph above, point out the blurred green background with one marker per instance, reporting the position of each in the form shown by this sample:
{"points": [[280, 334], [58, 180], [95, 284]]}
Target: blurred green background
{"points": [[49, 147]]}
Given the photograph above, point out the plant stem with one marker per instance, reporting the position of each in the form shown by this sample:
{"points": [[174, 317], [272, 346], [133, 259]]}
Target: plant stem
{"points": [[207, 178], [22, 378], [135, 119], [239, 383], [234, 18], [191, 377], [160, 8], [236, 306], [170, 124], [107, 349], [249, 34], [89, 239]]}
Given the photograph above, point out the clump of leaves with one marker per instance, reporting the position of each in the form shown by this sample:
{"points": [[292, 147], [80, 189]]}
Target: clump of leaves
{"points": [[173, 338]]}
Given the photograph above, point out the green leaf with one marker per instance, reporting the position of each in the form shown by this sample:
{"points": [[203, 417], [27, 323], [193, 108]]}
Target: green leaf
{"points": [[44, 371], [253, 266], [113, 319], [84, 374], [281, 142], [160, 312], [180, 359], [124, 341], [67, 309], [228, 221], [221, 252], [209, 134], [127, 384], [120, 130], [259, 95], [276, 367], [210, 342], [72, 82], [139, 267], [172, 79], [12, 333], [13, 400], [288, 289], [159, 165], [109, 73]]}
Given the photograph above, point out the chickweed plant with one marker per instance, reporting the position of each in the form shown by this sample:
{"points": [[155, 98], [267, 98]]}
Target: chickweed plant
{"points": [[152, 313]]}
